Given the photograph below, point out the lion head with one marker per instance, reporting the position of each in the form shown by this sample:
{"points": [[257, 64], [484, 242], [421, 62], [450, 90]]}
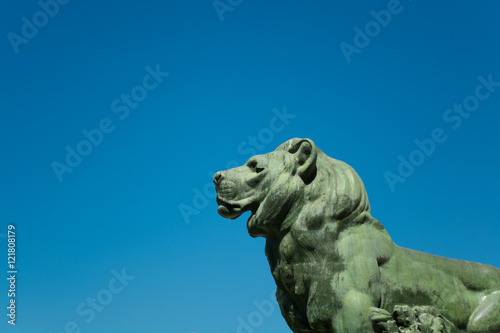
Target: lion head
{"points": [[295, 184]]}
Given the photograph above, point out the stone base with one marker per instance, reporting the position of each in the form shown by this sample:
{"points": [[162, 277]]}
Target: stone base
{"points": [[407, 319]]}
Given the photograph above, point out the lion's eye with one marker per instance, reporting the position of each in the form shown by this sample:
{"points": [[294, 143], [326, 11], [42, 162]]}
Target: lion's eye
{"points": [[259, 169], [252, 164]]}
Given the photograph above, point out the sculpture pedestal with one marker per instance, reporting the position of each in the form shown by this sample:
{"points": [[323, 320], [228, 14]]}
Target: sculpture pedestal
{"points": [[406, 319]]}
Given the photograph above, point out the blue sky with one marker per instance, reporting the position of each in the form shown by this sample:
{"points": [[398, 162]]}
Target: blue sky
{"points": [[157, 96]]}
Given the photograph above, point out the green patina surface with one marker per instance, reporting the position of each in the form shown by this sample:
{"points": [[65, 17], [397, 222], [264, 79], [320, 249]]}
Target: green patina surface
{"points": [[335, 266]]}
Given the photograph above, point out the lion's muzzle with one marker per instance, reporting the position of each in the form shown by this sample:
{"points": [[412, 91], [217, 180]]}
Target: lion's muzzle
{"points": [[226, 191], [217, 178]]}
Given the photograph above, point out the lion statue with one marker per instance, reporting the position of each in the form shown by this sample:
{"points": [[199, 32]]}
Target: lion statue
{"points": [[335, 266]]}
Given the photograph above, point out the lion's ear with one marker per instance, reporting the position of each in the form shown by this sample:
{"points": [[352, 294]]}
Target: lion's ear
{"points": [[306, 153]]}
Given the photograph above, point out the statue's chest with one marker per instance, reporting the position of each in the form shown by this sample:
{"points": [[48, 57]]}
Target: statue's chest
{"points": [[299, 268], [292, 267], [293, 278]]}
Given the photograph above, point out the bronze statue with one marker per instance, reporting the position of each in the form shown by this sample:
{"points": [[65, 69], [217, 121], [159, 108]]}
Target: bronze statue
{"points": [[336, 268]]}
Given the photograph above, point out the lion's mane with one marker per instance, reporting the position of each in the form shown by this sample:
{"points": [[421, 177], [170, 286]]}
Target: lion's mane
{"points": [[336, 194]]}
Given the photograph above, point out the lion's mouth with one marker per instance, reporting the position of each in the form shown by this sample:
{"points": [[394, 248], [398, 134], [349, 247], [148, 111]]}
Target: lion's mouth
{"points": [[229, 210]]}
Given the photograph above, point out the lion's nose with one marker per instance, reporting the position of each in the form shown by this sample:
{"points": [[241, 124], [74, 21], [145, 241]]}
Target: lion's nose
{"points": [[217, 178]]}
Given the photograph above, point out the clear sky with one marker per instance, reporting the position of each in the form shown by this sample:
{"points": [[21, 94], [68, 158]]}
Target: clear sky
{"points": [[114, 118]]}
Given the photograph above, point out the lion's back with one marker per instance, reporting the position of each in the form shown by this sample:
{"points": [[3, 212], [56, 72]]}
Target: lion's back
{"points": [[438, 275]]}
